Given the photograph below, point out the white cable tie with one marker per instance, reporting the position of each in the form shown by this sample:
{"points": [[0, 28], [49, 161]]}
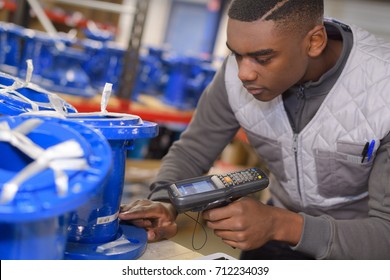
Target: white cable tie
{"points": [[17, 137], [8, 193], [27, 126], [12, 89], [63, 156], [105, 97], [15, 85], [58, 104], [62, 182], [29, 72], [4, 126], [12, 187], [69, 164], [64, 150]]}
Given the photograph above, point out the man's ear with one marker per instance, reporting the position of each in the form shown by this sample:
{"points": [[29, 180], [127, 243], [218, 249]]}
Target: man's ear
{"points": [[316, 40]]}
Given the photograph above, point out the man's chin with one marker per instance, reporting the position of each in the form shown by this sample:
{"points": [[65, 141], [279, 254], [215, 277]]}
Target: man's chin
{"points": [[264, 97]]}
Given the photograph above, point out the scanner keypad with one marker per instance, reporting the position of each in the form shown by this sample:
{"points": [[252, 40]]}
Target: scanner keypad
{"points": [[234, 178]]}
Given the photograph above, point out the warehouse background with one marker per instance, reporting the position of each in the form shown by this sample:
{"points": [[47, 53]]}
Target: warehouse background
{"points": [[197, 25], [372, 15]]}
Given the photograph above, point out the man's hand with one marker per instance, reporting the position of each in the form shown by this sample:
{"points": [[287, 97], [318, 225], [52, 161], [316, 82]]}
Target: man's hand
{"points": [[248, 224], [158, 218]]}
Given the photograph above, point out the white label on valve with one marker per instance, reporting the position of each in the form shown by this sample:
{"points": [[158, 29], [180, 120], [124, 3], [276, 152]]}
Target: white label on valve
{"points": [[107, 219]]}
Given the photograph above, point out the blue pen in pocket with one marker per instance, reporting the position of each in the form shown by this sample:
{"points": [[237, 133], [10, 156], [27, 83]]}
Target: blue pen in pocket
{"points": [[370, 150]]}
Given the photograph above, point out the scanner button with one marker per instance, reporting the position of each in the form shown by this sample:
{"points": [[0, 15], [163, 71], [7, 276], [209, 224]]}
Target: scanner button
{"points": [[228, 179]]}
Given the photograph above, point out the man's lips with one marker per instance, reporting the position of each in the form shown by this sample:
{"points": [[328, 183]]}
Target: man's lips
{"points": [[255, 90]]}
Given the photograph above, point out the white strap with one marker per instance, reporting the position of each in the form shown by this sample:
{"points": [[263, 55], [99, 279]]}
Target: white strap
{"points": [[67, 155], [17, 84], [30, 69], [55, 101], [105, 97], [18, 139]]}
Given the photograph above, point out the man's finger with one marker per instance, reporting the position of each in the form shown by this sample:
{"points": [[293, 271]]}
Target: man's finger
{"points": [[159, 233], [138, 213], [142, 223]]}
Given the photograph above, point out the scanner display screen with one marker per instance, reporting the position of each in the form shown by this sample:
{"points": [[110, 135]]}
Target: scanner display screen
{"points": [[196, 187]]}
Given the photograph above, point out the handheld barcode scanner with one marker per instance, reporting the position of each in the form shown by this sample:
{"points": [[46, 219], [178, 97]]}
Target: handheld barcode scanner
{"points": [[206, 192]]}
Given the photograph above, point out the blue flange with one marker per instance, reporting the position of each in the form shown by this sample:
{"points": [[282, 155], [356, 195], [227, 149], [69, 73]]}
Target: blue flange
{"points": [[117, 126], [129, 244]]}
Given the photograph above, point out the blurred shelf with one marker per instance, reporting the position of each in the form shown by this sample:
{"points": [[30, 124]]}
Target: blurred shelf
{"points": [[58, 16]]}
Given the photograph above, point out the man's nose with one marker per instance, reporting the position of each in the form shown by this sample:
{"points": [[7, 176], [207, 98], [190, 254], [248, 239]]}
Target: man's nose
{"points": [[246, 70]]}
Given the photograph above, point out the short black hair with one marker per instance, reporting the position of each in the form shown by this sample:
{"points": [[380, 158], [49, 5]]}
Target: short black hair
{"points": [[301, 15]]}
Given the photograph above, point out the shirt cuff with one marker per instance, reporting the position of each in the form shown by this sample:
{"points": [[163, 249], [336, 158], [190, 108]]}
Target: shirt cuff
{"points": [[316, 236], [159, 191]]}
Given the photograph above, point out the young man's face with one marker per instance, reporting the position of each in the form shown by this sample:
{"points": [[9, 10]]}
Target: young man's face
{"points": [[269, 62]]}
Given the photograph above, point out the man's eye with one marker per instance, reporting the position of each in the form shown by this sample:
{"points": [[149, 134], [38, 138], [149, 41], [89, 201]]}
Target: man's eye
{"points": [[263, 60]]}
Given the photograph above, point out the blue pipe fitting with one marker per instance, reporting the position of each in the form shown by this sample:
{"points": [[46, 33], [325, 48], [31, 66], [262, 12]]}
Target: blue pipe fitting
{"points": [[105, 62], [11, 48], [95, 232], [38, 46], [66, 73], [34, 217]]}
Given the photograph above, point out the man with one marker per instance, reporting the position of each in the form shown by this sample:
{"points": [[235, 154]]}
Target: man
{"points": [[313, 97]]}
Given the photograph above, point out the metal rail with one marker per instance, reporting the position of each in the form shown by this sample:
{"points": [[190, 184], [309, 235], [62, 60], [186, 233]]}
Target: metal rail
{"points": [[129, 72]]}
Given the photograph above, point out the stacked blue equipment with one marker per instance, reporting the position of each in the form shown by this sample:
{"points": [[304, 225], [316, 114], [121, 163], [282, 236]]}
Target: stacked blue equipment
{"points": [[11, 45], [82, 66], [201, 75], [66, 74], [178, 81], [187, 78], [40, 48], [105, 63], [151, 75], [59, 64]]}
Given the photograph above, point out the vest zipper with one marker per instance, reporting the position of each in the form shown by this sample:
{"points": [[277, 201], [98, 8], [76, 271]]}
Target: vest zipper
{"points": [[295, 150], [301, 98], [301, 104]]}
